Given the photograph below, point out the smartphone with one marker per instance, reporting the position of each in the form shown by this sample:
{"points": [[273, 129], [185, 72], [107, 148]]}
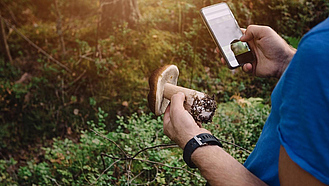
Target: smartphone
{"points": [[226, 33]]}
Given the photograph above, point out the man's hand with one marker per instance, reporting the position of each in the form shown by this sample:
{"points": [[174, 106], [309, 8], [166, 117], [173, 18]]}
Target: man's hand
{"points": [[272, 52], [217, 166], [178, 124]]}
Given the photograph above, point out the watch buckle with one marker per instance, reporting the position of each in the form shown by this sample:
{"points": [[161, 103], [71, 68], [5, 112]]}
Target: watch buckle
{"points": [[198, 140]]}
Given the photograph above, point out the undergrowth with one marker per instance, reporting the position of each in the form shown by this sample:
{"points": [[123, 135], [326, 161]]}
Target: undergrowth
{"points": [[137, 152]]}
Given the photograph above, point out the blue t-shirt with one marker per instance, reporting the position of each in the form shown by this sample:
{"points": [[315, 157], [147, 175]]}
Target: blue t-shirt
{"points": [[299, 119]]}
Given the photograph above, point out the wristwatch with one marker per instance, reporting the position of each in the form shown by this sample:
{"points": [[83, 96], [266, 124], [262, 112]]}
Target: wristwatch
{"points": [[198, 141]]}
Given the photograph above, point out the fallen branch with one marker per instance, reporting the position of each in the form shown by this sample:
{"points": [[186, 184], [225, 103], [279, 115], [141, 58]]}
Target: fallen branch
{"points": [[142, 160], [162, 164], [149, 182], [87, 58], [157, 146], [105, 172], [52, 179], [76, 80], [35, 46], [235, 145], [101, 135], [128, 159]]}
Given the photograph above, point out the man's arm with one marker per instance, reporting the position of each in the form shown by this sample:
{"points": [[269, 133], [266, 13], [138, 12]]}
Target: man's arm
{"points": [[220, 168], [292, 174], [217, 166]]}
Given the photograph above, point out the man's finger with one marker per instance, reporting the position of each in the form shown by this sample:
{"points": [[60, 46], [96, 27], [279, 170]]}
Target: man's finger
{"points": [[243, 30], [222, 60], [177, 102], [247, 67], [249, 33], [166, 116]]}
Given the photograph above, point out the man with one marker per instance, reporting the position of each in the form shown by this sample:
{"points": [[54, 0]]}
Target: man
{"points": [[293, 148]]}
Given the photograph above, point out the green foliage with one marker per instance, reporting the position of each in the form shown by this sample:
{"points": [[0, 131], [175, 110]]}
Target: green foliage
{"points": [[34, 173], [32, 106], [69, 163], [238, 122], [7, 174], [109, 70], [288, 17], [293, 41]]}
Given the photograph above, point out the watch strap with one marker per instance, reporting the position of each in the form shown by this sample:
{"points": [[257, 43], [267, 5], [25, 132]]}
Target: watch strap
{"points": [[196, 142]]}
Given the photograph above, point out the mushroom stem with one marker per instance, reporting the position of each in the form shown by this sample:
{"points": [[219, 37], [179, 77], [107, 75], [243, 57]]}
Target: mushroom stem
{"points": [[199, 105], [190, 94]]}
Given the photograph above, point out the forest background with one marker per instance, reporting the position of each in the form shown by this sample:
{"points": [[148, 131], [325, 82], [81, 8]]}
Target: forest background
{"points": [[74, 81]]}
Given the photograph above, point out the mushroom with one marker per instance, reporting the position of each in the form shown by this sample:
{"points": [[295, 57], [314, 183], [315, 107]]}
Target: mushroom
{"points": [[163, 85]]}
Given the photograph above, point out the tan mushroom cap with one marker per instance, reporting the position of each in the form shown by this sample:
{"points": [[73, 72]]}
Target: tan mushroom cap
{"points": [[161, 76]]}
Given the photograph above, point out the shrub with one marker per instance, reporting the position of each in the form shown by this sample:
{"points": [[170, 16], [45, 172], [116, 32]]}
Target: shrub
{"points": [[240, 122], [136, 152], [7, 174]]}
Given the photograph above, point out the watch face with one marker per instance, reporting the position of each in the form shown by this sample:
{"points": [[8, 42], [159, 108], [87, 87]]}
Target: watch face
{"points": [[209, 139]]}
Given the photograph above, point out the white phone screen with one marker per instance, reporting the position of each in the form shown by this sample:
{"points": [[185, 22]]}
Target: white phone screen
{"points": [[225, 31]]}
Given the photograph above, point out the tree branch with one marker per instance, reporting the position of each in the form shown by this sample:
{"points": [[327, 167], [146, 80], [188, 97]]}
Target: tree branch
{"points": [[147, 161], [105, 171], [125, 154], [129, 159], [149, 182], [162, 164], [77, 79], [36, 46], [147, 148], [235, 145]]}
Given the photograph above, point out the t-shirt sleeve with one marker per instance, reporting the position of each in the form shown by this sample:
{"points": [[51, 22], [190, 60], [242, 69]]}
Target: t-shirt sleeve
{"points": [[304, 112]]}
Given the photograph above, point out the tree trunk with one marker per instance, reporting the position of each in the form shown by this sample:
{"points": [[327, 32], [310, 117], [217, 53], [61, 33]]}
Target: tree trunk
{"points": [[119, 11], [59, 29], [4, 37]]}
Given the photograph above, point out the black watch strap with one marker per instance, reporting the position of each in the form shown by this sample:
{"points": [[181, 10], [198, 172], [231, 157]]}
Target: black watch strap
{"points": [[198, 141]]}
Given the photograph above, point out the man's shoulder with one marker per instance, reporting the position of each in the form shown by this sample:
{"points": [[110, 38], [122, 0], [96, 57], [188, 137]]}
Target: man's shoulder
{"points": [[318, 32], [324, 25], [314, 45]]}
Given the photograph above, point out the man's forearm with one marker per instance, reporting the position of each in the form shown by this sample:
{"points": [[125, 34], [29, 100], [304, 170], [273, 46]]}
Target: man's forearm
{"points": [[286, 58], [219, 168]]}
